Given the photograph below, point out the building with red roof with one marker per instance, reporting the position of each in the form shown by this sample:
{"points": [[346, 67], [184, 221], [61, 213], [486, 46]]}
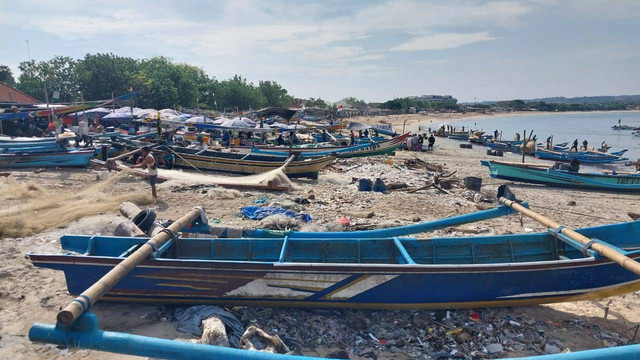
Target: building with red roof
{"points": [[9, 94]]}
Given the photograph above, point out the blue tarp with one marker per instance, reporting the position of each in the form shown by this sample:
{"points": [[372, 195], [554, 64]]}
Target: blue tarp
{"points": [[261, 212]]}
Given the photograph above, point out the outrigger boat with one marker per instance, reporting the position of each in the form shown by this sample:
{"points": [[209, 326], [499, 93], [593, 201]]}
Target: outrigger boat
{"points": [[245, 163], [386, 144], [71, 158], [587, 157], [546, 175], [364, 272], [363, 150]]}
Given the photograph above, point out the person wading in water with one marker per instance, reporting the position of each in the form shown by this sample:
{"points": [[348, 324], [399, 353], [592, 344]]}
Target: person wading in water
{"points": [[149, 162]]}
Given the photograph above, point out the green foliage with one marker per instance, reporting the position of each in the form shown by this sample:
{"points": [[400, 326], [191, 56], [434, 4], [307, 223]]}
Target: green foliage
{"points": [[274, 94], [237, 92], [58, 74], [6, 76], [403, 104], [316, 103], [355, 103], [102, 76]]}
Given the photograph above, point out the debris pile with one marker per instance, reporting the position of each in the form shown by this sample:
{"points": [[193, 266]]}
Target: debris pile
{"points": [[465, 334]]}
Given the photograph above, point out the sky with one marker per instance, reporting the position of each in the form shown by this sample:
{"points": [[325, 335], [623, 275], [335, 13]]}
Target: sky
{"points": [[371, 49]]}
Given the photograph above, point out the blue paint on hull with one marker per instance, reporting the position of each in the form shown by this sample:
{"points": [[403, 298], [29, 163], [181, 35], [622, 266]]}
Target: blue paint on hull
{"points": [[64, 159]]}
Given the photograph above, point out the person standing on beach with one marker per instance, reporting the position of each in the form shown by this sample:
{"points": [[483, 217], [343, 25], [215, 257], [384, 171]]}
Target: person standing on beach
{"points": [[574, 147], [584, 144], [353, 137], [432, 141], [149, 162]]}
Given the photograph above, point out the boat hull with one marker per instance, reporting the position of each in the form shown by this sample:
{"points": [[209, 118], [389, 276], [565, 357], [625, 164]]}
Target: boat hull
{"points": [[375, 287], [560, 178], [61, 159], [252, 164], [391, 273]]}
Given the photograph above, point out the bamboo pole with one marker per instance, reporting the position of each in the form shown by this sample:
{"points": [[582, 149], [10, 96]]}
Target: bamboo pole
{"points": [[185, 160], [601, 249], [90, 296]]}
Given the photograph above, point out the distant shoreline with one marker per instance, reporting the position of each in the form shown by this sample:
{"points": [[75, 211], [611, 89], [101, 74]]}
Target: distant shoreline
{"points": [[411, 122]]}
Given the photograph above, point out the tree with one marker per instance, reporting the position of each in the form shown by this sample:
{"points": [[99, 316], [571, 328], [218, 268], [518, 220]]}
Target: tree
{"points": [[274, 94], [6, 76], [237, 92], [30, 80], [316, 103], [100, 76]]}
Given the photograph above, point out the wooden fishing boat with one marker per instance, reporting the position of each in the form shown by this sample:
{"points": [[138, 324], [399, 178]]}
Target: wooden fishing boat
{"points": [[371, 149], [546, 175], [559, 265], [71, 158], [399, 273], [246, 163], [321, 149], [29, 140], [625, 127], [587, 157]]}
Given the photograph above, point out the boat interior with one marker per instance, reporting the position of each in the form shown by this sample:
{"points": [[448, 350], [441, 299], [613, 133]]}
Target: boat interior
{"points": [[516, 248]]}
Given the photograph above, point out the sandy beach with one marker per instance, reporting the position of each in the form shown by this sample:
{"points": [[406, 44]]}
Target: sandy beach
{"points": [[29, 294]]}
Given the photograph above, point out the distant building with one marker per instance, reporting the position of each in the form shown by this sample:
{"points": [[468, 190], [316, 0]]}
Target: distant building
{"points": [[434, 98], [9, 94]]}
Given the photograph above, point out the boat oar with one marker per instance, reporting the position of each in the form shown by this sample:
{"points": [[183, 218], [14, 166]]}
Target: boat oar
{"points": [[603, 250], [90, 296]]}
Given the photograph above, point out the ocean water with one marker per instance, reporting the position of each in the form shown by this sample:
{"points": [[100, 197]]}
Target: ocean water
{"points": [[595, 127]]}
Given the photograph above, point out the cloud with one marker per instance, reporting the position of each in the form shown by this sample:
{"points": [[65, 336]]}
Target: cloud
{"points": [[442, 41]]}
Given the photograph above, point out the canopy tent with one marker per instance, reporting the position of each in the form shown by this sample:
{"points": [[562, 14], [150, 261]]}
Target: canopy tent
{"points": [[122, 114], [93, 112], [287, 114]]}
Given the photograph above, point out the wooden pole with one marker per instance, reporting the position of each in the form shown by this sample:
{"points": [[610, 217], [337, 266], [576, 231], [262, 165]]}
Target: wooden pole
{"points": [[90, 296], [601, 249], [185, 160]]}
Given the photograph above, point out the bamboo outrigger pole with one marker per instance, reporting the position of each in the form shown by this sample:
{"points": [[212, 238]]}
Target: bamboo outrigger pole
{"points": [[78, 306], [601, 249]]}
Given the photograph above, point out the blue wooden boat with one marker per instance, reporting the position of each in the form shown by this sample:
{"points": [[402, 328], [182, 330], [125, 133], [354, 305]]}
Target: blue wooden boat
{"points": [[546, 175], [376, 273], [558, 264], [71, 158], [463, 137], [587, 157], [32, 140]]}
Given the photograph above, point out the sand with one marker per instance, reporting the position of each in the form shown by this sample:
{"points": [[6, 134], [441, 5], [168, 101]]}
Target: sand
{"points": [[29, 294]]}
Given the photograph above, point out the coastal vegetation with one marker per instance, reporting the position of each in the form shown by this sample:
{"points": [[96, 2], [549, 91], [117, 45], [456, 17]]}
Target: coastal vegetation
{"points": [[164, 83]]}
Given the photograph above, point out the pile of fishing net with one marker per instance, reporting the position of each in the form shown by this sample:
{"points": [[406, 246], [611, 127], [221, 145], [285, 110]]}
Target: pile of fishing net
{"points": [[272, 178], [32, 209]]}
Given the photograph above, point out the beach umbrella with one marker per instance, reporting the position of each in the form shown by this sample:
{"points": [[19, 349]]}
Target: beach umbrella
{"points": [[221, 120], [169, 113], [182, 117], [246, 120], [99, 111], [199, 120], [236, 123]]}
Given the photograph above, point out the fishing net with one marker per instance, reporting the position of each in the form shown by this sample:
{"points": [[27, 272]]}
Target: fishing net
{"points": [[275, 177], [40, 209]]}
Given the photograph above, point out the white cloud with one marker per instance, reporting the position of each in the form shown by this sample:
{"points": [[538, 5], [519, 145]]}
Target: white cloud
{"points": [[442, 41]]}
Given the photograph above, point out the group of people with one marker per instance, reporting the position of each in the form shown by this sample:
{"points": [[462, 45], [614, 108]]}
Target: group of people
{"points": [[416, 142]]}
